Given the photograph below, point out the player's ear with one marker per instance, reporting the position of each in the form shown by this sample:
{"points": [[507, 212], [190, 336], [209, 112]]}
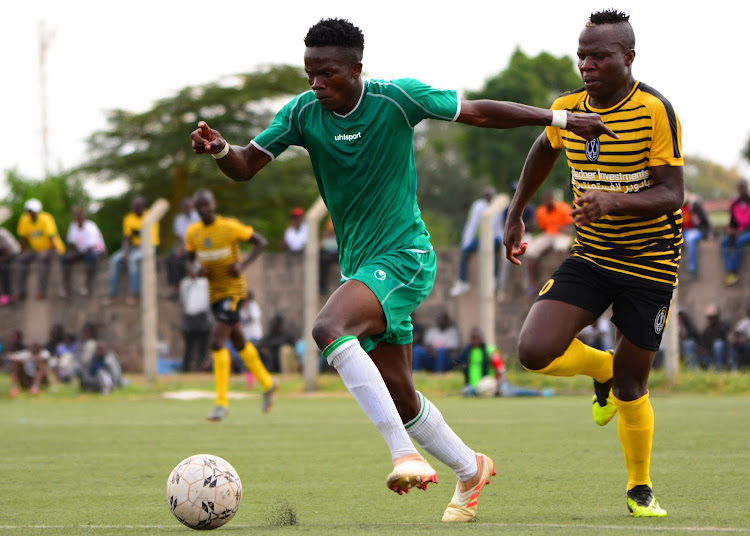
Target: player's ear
{"points": [[629, 57], [356, 70]]}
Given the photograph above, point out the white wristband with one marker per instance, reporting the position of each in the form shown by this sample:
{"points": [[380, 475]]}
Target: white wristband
{"points": [[223, 152], [559, 118]]}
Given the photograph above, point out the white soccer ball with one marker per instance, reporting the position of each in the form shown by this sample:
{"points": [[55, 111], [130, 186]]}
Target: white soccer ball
{"points": [[487, 386], [204, 492]]}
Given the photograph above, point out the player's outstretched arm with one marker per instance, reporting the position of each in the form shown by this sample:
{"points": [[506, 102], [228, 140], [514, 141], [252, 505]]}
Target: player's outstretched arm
{"points": [[503, 114], [237, 163]]}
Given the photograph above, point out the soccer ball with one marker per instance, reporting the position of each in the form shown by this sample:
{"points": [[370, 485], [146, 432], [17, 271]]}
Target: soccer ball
{"points": [[204, 492], [487, 386]]}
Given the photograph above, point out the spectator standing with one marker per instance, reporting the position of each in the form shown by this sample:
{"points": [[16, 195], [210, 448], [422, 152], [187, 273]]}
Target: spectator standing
{"points": [[251, 318], [555, 224], [442, 342], [739, 343], [470, 240], [40, 243], [196, 321], [695, 227], [738, 233], [711, 349], [129, 253], [295, 235], [85, 244], [9, 250], [176, 259]]}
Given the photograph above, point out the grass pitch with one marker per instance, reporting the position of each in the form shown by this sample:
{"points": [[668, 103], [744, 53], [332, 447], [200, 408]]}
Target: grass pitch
{"points": [[315, 465]]}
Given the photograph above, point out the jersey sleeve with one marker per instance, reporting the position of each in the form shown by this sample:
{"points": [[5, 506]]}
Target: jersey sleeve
{"points": [[554, 134], [666, 141], [282, 132], [240, 231], [421, 101], [190, 238]]}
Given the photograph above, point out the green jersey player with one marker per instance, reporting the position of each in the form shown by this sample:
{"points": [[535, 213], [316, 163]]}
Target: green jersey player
{"points": [[360, 139]]}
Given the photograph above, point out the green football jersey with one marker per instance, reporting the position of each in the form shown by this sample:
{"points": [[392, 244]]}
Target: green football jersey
{"points": [[364, 162]]}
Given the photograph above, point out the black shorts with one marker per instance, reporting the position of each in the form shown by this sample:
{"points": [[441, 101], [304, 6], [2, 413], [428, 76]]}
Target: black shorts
{"points": [[227, 310], [639, 310]]}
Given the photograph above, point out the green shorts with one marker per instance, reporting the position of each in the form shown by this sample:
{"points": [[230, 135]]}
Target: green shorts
{"points": [[401, 280]]}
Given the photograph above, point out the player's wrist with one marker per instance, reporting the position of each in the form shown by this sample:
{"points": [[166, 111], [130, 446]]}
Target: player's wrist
{"points": [[559, 119], [223, 152]]}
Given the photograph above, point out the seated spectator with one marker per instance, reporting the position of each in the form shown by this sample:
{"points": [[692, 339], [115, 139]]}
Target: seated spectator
{"points": [[739, 343], [688, 337], [599, 335], [555, 224], [277, 348], [329, 254], [738, 233], [176, 259], [295, 235], [101, 372], [56, 336], [28, 366], [695, 227], [130, 252], [475, 361], [421, 359], [711, 349], [470, 240], [9, 250], [40, 244], [85, 244], [64, 360], [442, 343], [196, 321]]}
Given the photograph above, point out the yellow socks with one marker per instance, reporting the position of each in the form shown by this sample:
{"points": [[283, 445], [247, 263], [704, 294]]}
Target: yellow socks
{"points": [[222, 367], [581, 359], [635, 427], [251, 358]]}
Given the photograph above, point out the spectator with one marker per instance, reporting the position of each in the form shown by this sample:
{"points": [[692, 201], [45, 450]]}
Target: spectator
{"points": [[130, 252], [277, 348], [711, 349], [738, 233], [196, 321], [421, 359], [688, 337], [739, 343], [599, 335], [56, 336], [9, 250], [329, 254], [470, 240], [295, 235], [250, 318], [529, 221], [695, 227], [40, 243], [176, 259], [556, 232], [64, 360], [28, 366], [101, 372], [475, 361], [86, 244], [442, 343]]}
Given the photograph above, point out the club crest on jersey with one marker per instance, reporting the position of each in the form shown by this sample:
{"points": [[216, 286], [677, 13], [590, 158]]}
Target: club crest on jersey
{"points": [[661, 320], [207, 243], [380, 275], [592, 150]]}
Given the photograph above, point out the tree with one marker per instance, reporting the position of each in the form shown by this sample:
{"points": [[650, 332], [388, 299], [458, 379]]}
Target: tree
{"points": [[497, 156], [151, 152], [709, 180]]}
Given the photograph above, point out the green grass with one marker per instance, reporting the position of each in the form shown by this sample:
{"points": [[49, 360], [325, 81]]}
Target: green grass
{"points": [[98, 465]]}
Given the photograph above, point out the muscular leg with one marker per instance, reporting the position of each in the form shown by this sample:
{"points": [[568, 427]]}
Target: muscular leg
{"points": [[249, 355]]}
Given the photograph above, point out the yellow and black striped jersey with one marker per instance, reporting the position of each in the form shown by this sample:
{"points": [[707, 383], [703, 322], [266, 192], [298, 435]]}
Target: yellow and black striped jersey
{"points": [[650, 135], [216, 247]]}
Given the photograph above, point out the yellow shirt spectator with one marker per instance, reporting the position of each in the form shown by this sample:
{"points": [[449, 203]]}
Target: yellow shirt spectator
{"points": [[131, 229], [41, 234]]}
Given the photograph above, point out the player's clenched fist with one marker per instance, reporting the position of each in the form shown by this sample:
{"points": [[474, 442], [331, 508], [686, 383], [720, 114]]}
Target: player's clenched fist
{"points": [[206, 140]]}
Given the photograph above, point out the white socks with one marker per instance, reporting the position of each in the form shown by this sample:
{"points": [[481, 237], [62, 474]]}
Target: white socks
{"points": [[433, 434], [363, 380]]}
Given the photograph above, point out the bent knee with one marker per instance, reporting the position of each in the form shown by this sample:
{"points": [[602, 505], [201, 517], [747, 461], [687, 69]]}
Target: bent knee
{"points": [[535, 354]]}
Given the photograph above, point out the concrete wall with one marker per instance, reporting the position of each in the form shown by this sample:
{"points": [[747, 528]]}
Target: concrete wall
{"points": [[277, 281]]}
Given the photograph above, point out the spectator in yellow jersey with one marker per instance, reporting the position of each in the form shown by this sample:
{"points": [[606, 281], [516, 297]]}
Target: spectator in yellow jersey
{"points": [[130, 252], [213, 251], [40, 243]]}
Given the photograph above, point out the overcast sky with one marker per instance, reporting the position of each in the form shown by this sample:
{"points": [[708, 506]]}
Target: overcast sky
{"points": [[106, 55]]}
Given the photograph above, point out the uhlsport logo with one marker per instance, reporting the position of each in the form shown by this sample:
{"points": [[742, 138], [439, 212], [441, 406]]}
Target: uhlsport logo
{"points": [[661, 320], [380, 275], [592, 150], [347, 137]]}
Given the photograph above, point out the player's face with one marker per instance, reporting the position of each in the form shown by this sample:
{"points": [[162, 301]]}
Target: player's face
{"points": [[604, 65], [206, 209], [334, 79]]}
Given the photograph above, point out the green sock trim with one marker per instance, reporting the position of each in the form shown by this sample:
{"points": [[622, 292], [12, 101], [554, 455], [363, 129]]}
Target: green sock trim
{"points": [[421, 412], [335, 344]]}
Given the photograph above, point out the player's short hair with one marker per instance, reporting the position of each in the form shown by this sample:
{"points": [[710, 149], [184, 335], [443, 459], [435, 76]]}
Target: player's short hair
{"points": [[203, 193], [337, 33], [624, 30]]}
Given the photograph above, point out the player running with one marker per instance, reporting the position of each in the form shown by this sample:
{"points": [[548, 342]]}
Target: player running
{"points": [[628, 193], [214, 243], [359, 135]]}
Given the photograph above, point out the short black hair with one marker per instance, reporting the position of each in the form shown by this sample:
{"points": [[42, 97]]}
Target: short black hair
{"points": [[337, 33], [625, 32]]}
